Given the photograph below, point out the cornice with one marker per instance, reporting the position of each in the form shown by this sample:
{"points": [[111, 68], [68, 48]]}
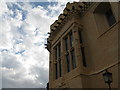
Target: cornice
{"points": [[74, 14], [72, 11]]}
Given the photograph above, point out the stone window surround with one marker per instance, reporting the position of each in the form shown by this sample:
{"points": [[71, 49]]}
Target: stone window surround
{"points": [[61, 40]]}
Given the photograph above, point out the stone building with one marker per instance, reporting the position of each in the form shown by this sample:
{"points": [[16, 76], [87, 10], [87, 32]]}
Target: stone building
{"points": [[83, 43]]}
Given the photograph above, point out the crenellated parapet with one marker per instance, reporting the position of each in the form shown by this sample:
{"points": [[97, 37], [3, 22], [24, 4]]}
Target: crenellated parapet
{"points": [[75, 9]]}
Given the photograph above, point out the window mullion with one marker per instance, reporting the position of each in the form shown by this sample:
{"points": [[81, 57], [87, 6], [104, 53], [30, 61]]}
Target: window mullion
{"points": [[70, 60]]}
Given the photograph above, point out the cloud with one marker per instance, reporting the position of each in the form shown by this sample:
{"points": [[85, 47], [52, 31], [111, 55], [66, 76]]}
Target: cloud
{"points": [[10, 61], [17, 79], [40, 74], [3, 7], [37, 17], [24, 31], [22, 47]]}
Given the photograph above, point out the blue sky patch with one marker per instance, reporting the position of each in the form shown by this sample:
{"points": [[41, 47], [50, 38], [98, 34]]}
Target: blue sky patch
{"points": [[20, 52], [4, 50], [18, 41], [43, 4], [14, 7]]}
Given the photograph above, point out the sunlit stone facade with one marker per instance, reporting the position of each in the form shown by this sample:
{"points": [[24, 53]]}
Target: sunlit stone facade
{"points": [[83, 43]]}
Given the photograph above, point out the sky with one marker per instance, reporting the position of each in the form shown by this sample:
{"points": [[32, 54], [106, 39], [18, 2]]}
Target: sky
{"points": [[24, 24]]}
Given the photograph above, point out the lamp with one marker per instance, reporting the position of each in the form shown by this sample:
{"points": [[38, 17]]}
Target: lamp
{"points": [[107, 78]]}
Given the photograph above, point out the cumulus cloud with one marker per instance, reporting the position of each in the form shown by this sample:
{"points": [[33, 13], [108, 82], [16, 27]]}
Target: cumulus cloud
{"points": [[24, 31], [37, 17], [3, 7], [19, 79], [10, 61]]}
